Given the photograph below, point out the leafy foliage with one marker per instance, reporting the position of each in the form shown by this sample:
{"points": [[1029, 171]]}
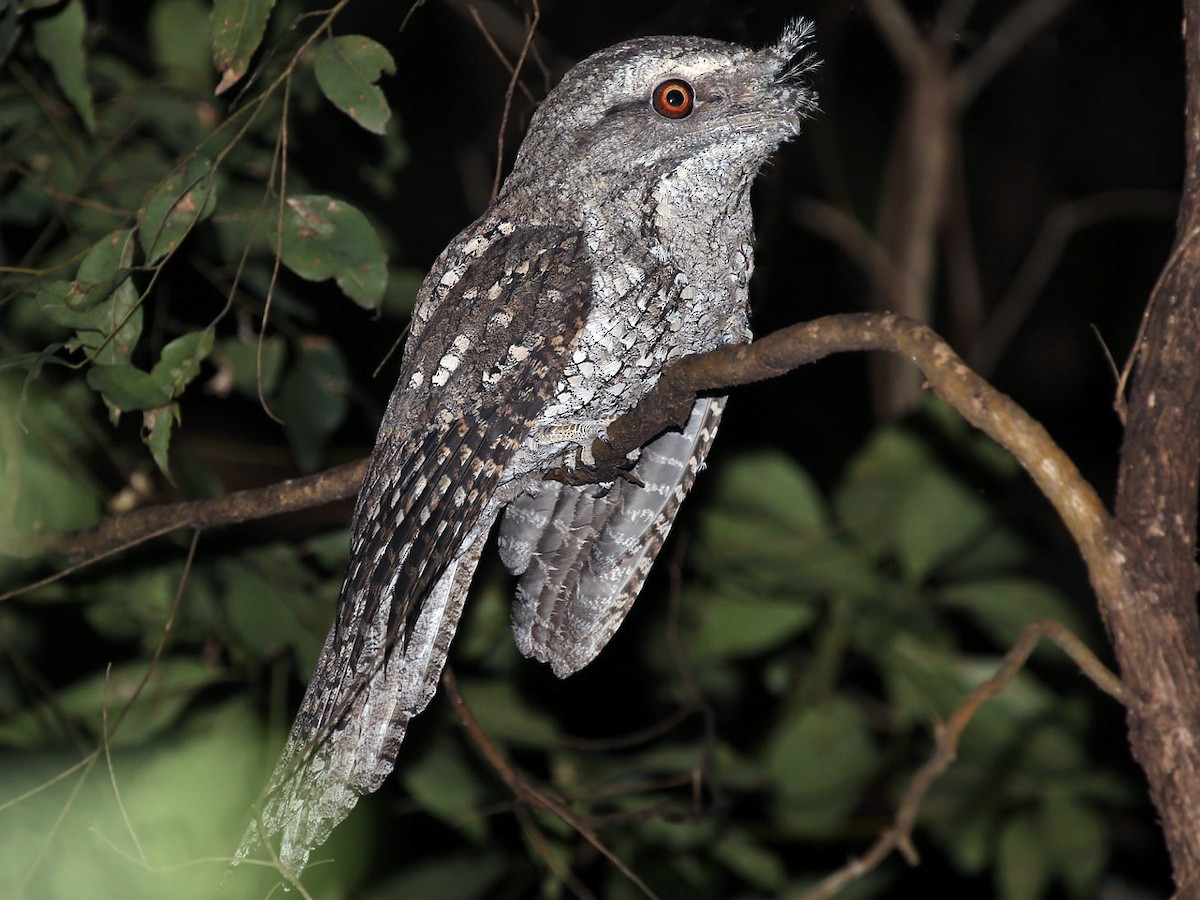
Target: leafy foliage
{"points": [[171, 265]]}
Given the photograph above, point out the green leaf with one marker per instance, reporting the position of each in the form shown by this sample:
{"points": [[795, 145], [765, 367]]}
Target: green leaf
{"points": [[9, 27], [752, 861], [237, 360], [1022, 870], [756, 555], [820, 760], [313, 400], [937, 517], [733, 626], [58, 39], [238, 27], [267, 612], [178, 31], [127, 388], [42, 457], [128, 605], [1077, 843], [185, 198], [924, 680], [183, 800], [101, 304], [347, 68], [464, 876], [443, 783], [875, 485], [327, 238], [171, 686], [503, 715], [157, 425], [771, 485], [180, 361], [1002, 607]]}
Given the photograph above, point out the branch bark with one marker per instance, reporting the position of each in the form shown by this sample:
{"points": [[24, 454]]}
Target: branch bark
{"points": [[129, 529], [1155, 627]]}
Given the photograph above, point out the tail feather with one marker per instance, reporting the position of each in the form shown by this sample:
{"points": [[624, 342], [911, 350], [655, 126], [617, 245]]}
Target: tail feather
{"points": [[322, 773], [583, 554]]}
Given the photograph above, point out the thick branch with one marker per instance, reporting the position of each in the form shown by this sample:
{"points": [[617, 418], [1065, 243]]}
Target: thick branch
{"points": [[668, 404], [1156, 630]]}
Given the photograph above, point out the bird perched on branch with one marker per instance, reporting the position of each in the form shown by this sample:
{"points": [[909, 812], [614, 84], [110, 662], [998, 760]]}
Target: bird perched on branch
{"points": [[621, 241]]}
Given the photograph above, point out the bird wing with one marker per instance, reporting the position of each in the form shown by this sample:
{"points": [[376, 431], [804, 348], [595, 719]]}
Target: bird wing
{"points": [[585, 553], [498, 326]]}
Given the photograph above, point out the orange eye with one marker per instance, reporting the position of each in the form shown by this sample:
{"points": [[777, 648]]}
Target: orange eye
{"points": [[673, 99]]}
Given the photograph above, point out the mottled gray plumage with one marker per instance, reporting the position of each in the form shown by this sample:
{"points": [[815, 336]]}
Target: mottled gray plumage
{"points": [[621, 240]]}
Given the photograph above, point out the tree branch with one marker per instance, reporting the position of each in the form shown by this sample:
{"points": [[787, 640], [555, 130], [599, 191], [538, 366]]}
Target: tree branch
{"points": [[1155, 628], [129, 529], [667, 406]]}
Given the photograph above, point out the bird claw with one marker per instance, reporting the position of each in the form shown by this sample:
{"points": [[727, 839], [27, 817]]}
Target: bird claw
{"points": [[578, 472]]}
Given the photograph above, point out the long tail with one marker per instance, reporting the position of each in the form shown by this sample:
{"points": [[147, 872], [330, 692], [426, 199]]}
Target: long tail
{"points": [[353, 718]]}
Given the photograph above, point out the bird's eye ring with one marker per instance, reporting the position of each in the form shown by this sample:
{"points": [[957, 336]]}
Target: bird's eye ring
{"points": [[674, 99]]}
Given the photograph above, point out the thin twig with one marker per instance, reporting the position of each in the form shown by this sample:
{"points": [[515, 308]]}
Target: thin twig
{"points": [[1008, 38], [514, 78], [1060, 225], [524, 790], [898, 836], [898, 29], [490, 40]]}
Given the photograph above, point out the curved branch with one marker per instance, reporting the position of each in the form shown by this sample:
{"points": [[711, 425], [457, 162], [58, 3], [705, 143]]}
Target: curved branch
{"points": [[667, 406]]}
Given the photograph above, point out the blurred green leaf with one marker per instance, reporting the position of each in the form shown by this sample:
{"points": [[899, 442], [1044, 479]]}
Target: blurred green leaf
{"points": [[1077, 843], [269, 614], [347, 68], [751, 860], [179, 41], [184, 799], [327, 238], [1002, 607], [503, 715], [444, 784], [1022, 870], [132, 604], [820, 759], [875, 485], [58, 39], [924, 680], [239, 358], [238, 27], [313, 399], [733, 626], [44, 443], [936, 518], [456, 877], [770, 485], [9, 27], [171, 686]]}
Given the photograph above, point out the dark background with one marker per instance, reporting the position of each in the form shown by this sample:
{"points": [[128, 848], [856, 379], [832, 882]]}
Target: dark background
{"points": [[1093, 103]]}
